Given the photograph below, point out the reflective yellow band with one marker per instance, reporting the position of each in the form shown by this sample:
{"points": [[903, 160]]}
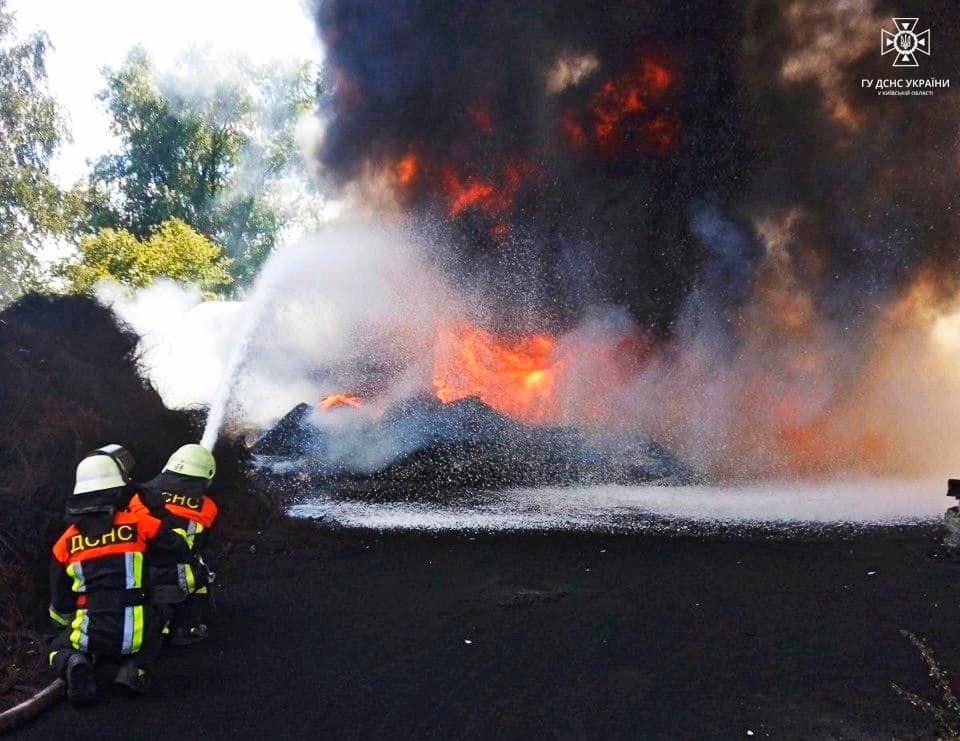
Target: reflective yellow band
{"points": [[189, 534], [50, 657], [75, 571], [137, 628], [59, 617], [78, 636], [185, 578], [137, 570]]}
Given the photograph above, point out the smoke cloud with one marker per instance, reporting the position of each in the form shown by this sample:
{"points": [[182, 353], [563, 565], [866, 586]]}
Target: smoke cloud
{"points": [[684, 220], [568, 147], [707, 183], [354, 306]]}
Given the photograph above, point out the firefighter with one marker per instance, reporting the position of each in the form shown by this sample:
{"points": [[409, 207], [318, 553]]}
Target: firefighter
{"points": [[97, 580], [179, 496]]}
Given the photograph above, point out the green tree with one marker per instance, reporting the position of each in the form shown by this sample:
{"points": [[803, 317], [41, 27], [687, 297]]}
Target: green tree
{"points": [[172, 250], [211, 148], [31, 129]]}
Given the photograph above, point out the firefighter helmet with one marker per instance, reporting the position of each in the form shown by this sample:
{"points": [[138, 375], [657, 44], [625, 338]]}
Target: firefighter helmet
{"points": [[98, 473], [192, 460], [121, 456]]}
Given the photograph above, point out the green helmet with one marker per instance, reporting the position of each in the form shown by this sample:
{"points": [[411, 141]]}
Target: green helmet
{"points": [[192, 460], [98, 473]]}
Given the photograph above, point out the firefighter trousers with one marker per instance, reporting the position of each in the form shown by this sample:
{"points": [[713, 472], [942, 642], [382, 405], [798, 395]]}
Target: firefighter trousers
{"points": [[62, 647]]}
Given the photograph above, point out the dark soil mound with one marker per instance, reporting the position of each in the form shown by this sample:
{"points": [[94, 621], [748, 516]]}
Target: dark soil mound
{"points": [[70, 381]]}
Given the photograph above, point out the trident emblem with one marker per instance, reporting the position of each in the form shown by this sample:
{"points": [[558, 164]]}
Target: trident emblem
{"points": [[905, 42]]}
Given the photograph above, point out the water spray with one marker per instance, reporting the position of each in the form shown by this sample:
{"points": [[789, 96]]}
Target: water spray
{"points": [[260, 298], [221, 402]]}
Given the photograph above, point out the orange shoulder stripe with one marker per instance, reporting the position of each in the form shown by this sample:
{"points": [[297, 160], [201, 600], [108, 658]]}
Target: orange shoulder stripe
{"points": [[60, 551], [205, 515], [136, 504]]}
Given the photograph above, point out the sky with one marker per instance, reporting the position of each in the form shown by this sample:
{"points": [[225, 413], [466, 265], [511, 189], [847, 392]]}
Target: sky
{"points": [[92, 34]]}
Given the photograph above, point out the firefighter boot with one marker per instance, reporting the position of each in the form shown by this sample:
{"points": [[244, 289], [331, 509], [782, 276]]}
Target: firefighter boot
{"points": [[81, 680], [133, 677]]}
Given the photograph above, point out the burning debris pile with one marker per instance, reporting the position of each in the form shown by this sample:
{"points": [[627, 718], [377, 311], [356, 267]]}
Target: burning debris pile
{"points": [[490, 410], [423, 447]]}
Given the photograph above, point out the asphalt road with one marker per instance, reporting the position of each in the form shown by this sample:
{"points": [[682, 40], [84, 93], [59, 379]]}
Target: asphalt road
{"points": [[552, 636]]}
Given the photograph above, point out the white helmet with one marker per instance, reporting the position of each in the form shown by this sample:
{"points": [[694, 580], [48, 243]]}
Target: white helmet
{"points": [[97, 473], [121, 455], [192, 460]]}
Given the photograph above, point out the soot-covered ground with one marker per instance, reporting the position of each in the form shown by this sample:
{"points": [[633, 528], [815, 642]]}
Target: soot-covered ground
{"points": [[551, 635]]}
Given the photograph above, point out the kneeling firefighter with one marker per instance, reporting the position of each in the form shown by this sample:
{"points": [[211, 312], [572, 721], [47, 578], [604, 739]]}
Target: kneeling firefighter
{"points": [[179, 497], [97, 579]]}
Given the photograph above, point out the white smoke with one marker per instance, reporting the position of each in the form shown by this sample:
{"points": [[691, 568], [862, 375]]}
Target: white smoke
{"points": [[339, 307], [184, 340]]}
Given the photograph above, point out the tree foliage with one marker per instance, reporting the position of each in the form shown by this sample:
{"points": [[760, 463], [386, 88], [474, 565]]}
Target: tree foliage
{"points": [[209, 147], [172, 250], [31, 129]]}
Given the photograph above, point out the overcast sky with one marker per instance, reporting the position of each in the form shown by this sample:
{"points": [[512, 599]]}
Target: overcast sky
{"points": [[90, 34]]}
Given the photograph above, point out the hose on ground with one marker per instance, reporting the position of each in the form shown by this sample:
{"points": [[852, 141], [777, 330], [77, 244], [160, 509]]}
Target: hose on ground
{"points": [[32, 706]]}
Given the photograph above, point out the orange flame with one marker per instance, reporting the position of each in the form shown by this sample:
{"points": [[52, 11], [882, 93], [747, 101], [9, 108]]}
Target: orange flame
{"points": [[464, 194], [619, 106], [821, 445], [514, 375], [338, 400], [499, 230], [406, 169], [473, 193]]}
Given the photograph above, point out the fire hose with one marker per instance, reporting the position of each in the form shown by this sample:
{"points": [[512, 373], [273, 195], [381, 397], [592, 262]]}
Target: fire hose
{"points": [[32, 706]]}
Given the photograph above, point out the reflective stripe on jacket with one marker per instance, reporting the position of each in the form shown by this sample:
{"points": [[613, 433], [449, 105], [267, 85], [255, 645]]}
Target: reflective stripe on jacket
{"points": [[98, 585], [190, 516]]}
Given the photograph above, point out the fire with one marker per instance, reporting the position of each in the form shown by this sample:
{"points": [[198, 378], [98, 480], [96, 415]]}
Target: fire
{"points": [[338, 400], [661, 133], [622, 105], [469, 193], [514, 375], [499, 230], [474, 193], [406, 169]]}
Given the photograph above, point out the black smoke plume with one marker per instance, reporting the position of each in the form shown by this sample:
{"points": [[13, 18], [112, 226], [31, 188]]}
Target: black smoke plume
{"points": [[723, 114]]}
